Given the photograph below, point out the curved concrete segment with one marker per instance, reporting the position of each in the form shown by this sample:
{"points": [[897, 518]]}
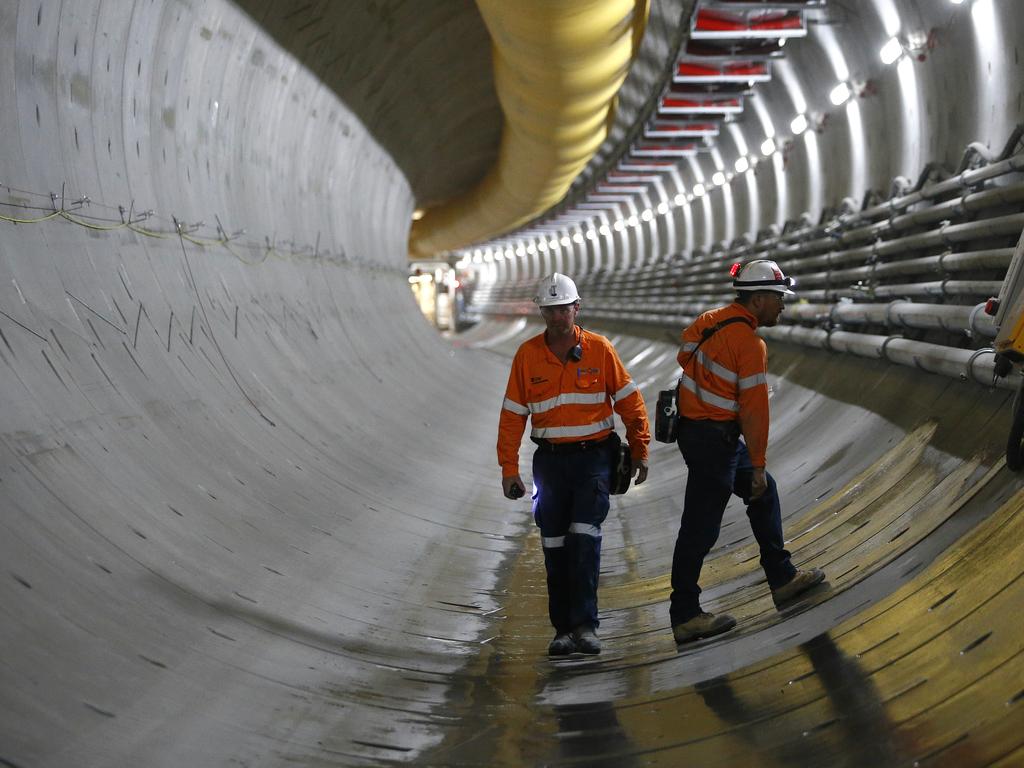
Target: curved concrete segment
{"points": [[249, 509]]}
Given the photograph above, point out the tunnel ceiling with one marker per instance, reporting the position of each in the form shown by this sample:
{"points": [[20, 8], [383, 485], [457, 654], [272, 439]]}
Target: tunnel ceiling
{"points": [[417, 73]]}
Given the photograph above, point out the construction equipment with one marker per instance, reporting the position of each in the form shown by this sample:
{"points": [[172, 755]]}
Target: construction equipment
{"points": [[1008, 312]]}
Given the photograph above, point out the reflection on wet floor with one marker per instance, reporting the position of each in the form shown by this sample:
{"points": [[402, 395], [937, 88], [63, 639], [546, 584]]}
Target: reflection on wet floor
{"points": [[907, 656]]}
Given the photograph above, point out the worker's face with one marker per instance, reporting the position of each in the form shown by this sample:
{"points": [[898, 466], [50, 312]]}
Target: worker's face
{"points": [[560, 320], [768, 305]]}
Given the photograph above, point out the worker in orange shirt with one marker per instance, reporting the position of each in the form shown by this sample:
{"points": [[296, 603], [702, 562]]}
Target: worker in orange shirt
{"points": [[723, 395], [566, 380]]}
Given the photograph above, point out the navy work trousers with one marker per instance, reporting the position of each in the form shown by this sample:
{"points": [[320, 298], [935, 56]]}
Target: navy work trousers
{"points": [[719, 466], [570, 503]]}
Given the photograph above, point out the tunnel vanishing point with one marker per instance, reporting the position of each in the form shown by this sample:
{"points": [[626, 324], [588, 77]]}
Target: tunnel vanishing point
{"points": [[250, 511]]}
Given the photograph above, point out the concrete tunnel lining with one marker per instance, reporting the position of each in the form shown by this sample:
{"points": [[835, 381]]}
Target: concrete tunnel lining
{"points": [[249, 499]]}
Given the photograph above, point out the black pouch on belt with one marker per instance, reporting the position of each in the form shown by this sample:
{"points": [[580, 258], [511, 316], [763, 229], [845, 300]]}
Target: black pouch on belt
{"points": [[622, 466], [666, 416]]}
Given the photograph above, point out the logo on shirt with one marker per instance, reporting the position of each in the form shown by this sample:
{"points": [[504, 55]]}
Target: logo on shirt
{"points": [[537, 379], [587, 377]]}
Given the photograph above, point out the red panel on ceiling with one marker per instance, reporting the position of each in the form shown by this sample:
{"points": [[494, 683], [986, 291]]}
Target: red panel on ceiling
{"points": [[761, 21], [700, 103], [744, 68], [684, 127]]}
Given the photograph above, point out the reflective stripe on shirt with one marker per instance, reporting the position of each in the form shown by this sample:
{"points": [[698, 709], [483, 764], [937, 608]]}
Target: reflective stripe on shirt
{"points": [[516, 408], [626, 391], [709, 397], [575, 431], [552, 542], [753, 381], [567, 398], [717, 368]]}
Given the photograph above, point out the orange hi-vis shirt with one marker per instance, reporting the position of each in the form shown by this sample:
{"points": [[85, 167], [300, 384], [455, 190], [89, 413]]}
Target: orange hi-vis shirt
{"points": [[727, 378], [569, 402]]}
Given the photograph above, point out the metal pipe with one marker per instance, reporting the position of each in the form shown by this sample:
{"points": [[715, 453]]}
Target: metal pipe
{"points": [[964, 364], [946, 210], [996, 226], [899, 314], [960, 181]]}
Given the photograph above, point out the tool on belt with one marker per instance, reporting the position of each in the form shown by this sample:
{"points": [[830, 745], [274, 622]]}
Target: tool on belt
{"points": [[622, 467], [666, 416]]}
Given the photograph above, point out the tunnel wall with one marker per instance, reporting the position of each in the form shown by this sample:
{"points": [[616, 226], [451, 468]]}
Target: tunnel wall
{"points": [[206, 443]]}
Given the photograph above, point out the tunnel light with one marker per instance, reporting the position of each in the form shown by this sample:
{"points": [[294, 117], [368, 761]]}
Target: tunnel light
{"points": [[647, 215], [605, 230], [531, 250], [591, 235], [891, 51], [957, 2], [662, 208], [840, 94], [698, 190], [520, 251], [565, 241], [799, 124], [718, 179], [577, 238], [553, 243], [983, 14], [542, 246], [742, 165], [632, 221], [768, 147], [619, 225], [417, 214], [477, 259], [679, 199]]}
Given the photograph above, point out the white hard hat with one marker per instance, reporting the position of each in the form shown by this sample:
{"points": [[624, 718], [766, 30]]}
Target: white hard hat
{"points": [[556, 289], [761, 275]]}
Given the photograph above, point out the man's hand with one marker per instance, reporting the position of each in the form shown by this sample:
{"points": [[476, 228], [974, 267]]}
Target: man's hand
{"points": [[640, 471], [512, 487], [758, 483]]}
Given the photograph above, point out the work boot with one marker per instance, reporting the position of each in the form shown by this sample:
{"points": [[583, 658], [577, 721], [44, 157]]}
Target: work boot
{"points": [[800, 583], [702, 625], [562, 645], [586, 640]]}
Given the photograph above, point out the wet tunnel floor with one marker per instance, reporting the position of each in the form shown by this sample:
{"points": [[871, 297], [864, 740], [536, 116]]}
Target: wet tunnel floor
{"points": [[905, 656]]}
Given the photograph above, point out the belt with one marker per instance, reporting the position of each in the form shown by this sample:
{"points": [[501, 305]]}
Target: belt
{"points": [[730, 427], [546, 446]]}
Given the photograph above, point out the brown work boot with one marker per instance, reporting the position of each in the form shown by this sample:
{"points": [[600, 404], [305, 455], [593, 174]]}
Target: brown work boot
{"points": [[562, 645], [702, 625], [800, 583], [586, 640]]}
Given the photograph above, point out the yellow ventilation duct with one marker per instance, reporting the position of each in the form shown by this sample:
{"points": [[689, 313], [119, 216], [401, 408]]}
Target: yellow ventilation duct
{"points": [[558, 65]]}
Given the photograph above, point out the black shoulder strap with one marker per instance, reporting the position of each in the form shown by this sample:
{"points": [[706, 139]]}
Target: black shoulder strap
{"points": [[710, 331]]}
